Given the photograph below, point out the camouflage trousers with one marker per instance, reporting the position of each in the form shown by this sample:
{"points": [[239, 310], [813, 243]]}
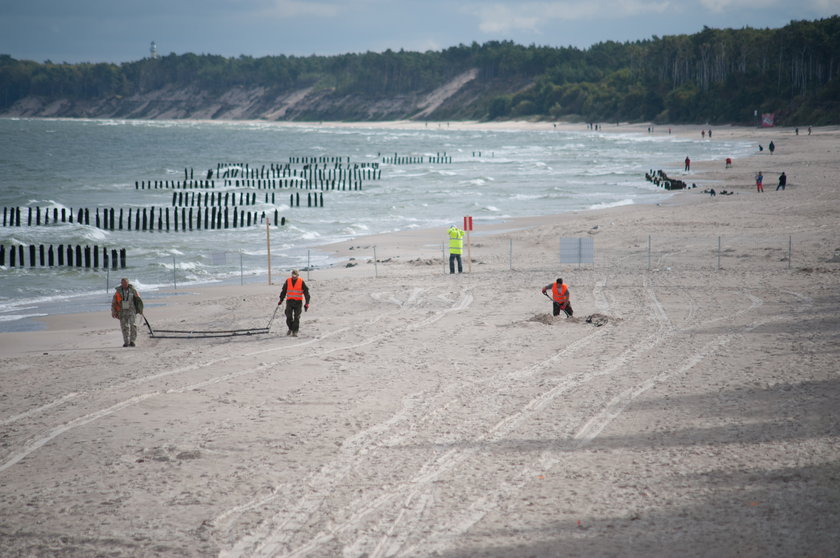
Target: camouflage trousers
{"points": [[129, 328]]}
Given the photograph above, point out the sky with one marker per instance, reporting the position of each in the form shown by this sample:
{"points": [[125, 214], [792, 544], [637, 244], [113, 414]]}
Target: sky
{"points": [[118, 31]]}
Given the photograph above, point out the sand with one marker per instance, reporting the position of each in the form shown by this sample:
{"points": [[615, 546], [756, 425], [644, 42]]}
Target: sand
{"points": [[689, 408]]}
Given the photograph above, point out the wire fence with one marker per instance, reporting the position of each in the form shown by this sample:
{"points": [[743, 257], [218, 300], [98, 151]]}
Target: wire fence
{"points": [[650, 252], [770, 253]]}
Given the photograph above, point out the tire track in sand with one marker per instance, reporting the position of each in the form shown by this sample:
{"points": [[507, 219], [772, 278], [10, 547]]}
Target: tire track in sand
{"points": [[34, 444], [273, 537], [410, 498]]}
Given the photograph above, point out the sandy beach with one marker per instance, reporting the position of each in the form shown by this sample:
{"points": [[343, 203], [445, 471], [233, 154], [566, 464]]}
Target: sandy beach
{"points": [[688, 408]]}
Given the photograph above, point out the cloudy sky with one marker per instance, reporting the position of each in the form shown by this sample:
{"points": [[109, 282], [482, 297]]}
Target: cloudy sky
{"points": [[122, 30]]}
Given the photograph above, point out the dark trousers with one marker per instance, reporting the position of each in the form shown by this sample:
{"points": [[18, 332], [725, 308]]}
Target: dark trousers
{"points": [[452, 258], [567, 308], [293, 308]]}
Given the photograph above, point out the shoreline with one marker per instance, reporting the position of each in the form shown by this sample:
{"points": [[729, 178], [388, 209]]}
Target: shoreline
{"points": [[702, 171]]}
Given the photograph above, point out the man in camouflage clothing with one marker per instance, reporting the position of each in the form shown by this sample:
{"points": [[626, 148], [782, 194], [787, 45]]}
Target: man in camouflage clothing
{"points": [[124, 307]]}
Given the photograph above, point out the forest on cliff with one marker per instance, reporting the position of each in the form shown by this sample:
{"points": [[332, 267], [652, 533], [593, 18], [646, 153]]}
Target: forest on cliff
{"points": [[713, 76]]}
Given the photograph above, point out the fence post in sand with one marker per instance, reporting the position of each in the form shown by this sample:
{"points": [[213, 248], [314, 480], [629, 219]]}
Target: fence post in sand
{"points": [[443, 256], [375, 266], [268, 249]]}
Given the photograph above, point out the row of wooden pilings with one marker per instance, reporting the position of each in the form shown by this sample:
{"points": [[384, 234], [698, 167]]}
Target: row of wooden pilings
{"points": [[300, 183], [308, 178], [174, 184], [220, 199], [396, 159], [63, 256], [144, 219], [303, 182], [277, 170], [313, 199]]}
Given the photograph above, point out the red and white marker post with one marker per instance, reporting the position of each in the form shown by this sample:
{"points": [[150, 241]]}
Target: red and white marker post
{"points": [[468, 226]]}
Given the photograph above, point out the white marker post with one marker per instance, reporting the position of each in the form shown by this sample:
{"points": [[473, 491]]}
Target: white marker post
{"points": [[268, 249]]}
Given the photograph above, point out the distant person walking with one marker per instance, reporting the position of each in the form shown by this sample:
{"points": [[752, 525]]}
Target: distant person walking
{"points": [[782, 181], [687, 164], [559, 297], [772, 147], [125, 305], [759, 182], [296, 294], [456, 247]]}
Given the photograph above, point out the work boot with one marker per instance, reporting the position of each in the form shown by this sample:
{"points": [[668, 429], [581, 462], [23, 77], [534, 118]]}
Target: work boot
{"points": [[294, 334], [132, 344], [289, 332], [125, 344]]}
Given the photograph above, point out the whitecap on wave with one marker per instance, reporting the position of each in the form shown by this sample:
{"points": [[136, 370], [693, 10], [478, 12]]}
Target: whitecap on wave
{"points": [[15, 317], [606, 205]]}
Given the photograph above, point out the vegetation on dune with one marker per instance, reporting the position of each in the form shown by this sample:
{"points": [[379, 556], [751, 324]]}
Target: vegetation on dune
{"points": [[714, 76]]}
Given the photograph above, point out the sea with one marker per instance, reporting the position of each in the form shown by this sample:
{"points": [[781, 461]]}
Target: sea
{"points": [[303, 194]]}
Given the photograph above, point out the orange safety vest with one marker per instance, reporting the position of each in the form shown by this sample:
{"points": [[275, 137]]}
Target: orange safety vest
{"points": [[560, 295], [116, 303], [293, 291]]}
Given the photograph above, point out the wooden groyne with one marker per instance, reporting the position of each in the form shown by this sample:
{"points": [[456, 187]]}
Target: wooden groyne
{"points": [[147, 218], [661, 179], [436, 159], [217, 199], [42, 255], [174, 184]]}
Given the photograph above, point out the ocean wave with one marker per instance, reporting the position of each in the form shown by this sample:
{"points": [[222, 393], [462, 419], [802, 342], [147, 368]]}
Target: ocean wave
{"points": [[517, 174], [606, 205], [15, 317]]}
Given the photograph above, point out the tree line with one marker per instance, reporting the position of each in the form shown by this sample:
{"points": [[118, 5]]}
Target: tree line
{"points": [[714, 76]]}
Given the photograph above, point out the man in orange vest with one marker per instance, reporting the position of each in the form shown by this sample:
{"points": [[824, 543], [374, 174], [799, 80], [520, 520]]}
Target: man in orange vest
{"points": [[296, 294], [559, 297]]}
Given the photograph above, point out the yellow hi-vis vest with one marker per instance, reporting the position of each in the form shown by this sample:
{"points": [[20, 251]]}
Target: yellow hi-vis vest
{"points": [[456, 240]]}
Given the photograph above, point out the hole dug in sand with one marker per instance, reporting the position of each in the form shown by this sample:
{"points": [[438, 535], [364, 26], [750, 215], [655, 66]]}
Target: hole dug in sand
{"points": [[595, 319]]}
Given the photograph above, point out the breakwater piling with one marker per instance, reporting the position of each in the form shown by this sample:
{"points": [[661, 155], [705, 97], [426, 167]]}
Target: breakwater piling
{"points": [[397, 159], [149, 218], [78, 256], [174, 184]]}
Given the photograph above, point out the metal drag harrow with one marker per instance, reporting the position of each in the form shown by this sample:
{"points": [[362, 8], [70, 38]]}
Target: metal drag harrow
{"points": [[200, 334]]}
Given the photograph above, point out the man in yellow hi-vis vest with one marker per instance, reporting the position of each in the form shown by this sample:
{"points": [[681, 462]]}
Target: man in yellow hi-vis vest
{"points": [[456, 246]]}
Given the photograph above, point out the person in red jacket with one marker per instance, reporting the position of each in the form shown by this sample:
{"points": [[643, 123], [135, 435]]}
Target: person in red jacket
{"points": [[296, 294], [559, 297]]}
